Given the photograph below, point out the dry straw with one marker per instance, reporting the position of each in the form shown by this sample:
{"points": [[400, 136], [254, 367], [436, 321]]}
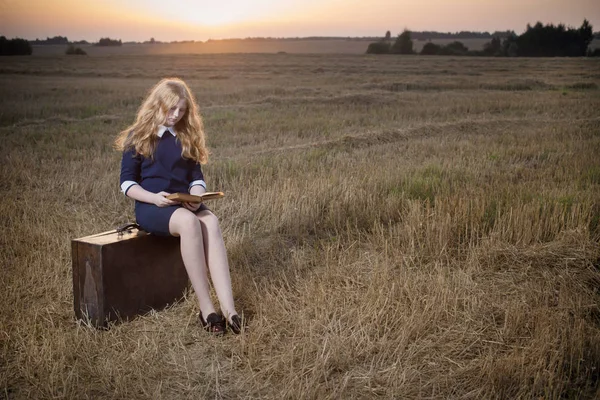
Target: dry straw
{"points": [[397, 228]]}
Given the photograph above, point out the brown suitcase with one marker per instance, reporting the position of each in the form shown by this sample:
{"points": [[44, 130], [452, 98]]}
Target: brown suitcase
{"points": [[125, 272]]}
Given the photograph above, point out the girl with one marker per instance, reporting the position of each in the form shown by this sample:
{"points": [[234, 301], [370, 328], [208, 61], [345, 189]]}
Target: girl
{"points": [[162, 153]]}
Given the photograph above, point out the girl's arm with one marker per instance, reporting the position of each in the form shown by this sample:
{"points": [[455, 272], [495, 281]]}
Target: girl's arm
{"points": [[197, 190], [196, 178], [138, 193], [197, 185]]}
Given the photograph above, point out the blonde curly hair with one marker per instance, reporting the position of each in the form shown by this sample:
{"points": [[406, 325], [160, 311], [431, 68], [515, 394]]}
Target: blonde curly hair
{"points": [[141, 135]]}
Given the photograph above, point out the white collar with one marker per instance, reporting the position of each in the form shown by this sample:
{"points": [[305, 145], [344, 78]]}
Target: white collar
{"points": [[162, 129]]}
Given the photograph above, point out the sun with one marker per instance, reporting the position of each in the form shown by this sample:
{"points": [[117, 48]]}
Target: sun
{"points": [[217, 13]]}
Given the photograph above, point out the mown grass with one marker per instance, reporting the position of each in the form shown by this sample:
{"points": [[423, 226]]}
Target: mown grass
{"points": [[408, 227]]}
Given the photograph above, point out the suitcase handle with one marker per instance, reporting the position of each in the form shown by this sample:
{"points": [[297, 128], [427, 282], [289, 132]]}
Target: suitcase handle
{"points": [[127, 228]]}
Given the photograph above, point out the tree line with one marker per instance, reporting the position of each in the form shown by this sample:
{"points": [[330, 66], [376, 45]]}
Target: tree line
{"points": [[18, 46], [14, 47], [537, 41], [109, 42], [428, 35]]}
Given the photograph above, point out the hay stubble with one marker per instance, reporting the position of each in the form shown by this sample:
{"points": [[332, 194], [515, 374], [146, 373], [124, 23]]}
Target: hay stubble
{"points": [[408, 227]]}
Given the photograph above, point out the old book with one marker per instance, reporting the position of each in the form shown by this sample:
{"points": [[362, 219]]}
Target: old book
{"points": [[192, 198]]}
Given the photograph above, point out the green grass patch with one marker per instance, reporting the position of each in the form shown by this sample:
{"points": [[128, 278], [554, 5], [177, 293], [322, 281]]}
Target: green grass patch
{"points": [[567, 202], [425, 184], [592, 175]]}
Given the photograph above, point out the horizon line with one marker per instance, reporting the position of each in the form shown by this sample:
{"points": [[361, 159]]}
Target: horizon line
{"points": [[282, 37]]}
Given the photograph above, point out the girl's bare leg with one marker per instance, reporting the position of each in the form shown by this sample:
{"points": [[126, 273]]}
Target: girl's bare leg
{"points": [[183, 223], [216, 258]]}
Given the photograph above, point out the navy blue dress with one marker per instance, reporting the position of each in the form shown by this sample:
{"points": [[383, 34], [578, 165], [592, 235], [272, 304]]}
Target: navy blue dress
{"points": [[168, 172]]}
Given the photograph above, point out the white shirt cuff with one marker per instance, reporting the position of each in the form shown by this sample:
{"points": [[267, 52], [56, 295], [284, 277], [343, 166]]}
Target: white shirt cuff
{"points": [[198, 182], [126, 185]]}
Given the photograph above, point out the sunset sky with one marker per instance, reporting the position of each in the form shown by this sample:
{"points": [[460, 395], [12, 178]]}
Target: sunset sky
{"points": [[139, 20]]}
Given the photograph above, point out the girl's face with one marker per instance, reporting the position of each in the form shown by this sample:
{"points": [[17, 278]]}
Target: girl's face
{"points": [[176, 113]]}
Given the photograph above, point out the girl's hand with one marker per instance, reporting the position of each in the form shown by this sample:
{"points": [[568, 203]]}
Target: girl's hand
{"points": [[193, 207], [160, 200]]}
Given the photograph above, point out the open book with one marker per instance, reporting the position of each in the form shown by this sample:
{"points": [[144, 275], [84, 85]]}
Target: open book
{"points": [[193, 198]]}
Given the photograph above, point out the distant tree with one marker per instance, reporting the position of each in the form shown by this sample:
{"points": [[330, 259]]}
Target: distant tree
{"points": [[109, 42], [503, 34], [538, 40], [455, 48], [72, 50], [430, 35], [493, 48], [381, 47], [15, 47], [512, 50], [52, 40], [403, 44], [509, 46], [153, 41], [472, 35], [430, 49], [554, 41], [388, 35], [586, 35]]}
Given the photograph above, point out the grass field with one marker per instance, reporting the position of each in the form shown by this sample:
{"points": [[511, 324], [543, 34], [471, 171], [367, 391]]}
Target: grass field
{"points": [[397, 227]]}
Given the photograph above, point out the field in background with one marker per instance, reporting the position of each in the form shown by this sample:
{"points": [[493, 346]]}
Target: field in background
{"points": [[333, 46], [403, 227]]}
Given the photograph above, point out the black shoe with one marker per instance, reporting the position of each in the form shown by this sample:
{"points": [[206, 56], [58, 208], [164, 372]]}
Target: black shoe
{"points": [[236, 324], [214, 324]]}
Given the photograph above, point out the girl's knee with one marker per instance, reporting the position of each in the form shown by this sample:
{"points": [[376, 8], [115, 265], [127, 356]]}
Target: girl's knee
{"points": [[209, 221], [184, 222]]}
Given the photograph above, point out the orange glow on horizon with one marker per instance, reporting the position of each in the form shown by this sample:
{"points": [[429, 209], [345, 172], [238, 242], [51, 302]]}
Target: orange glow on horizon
{"points": [[139, 20]]}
